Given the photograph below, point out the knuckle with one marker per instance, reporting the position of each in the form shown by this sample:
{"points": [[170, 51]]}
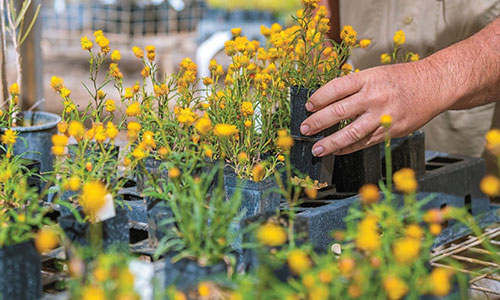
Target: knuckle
{"points": [[337, 111], [354, 133], [331, 144]]}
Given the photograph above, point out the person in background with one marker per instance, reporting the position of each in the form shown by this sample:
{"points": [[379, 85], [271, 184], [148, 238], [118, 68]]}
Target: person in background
{"points": [[455, 84]]}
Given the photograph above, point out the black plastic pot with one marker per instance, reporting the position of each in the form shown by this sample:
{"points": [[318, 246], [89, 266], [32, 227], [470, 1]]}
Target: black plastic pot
{"points": [[354, 170], [35, 167], [318, 168], [115, 231], [256, 197], [157, 212], [186, 273], [20, 276], [407, 152], [298, 98]]}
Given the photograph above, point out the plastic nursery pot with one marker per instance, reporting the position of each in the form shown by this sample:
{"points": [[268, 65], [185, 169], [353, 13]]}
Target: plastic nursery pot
{"points": [[20, 277], [157, 212], [407, 152], [298, 98], [318, 168], [185, 274], [354, 170], [34, 137], [256, 197], [115, 231]]}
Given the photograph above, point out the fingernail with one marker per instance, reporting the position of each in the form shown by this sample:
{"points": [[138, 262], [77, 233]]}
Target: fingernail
{"points": [[309, 106], [304, 129], [318, 150]]}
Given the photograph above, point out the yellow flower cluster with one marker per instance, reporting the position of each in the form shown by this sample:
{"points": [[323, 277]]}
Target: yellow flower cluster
{"points": [[9, 137], [271, 235], [102, 41], [405, 180], [368, 237], [59, 143], [93, 197]]}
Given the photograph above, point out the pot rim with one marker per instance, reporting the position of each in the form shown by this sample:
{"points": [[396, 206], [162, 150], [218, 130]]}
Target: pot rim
{"points": [[48, 125]]}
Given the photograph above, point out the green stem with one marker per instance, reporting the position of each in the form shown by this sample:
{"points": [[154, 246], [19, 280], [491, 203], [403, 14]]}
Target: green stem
{"points": [[96, 237], [388, 162]]}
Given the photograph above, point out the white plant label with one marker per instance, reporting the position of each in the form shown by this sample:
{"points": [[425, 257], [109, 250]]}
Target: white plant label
{"points": [[107, 211]]}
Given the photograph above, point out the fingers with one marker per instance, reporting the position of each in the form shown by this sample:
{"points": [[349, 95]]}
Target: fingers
{"points": [[330, 115], [374, 138], [334, 90], [348, 136]]}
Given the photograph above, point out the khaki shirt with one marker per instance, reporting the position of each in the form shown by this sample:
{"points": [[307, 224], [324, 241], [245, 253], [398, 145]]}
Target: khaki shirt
{"points": [[430, 25]]}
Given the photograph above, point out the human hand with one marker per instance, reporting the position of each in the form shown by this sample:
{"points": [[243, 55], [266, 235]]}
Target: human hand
{"points": [[408, 92]]}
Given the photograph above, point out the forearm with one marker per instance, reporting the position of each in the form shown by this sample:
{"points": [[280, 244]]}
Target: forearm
{"points": [[467, 74]]}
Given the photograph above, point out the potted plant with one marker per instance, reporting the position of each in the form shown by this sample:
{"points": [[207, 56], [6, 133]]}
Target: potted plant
{"points": [[312, 60], [247, 114], [87, 171], [203, 231], [21, 217], [35, 128]]}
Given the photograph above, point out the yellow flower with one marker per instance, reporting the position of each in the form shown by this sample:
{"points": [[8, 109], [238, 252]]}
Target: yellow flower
{"points": [[151, 52], [433, 216], [65, 92], [368, 237], [490, 185], [265, 31], [100, 133], [399, 38], [247, 108], [212, 66], [9, 137], [386, 121], [111, 130], [56, 83], [440, 282], [45, 240], [103, 42], [148, 139], [406, 250], [76, 130], [204, 289], [74, 183], [311, 192], [86, 43], [414, 57], [346, 266], [394, 287], [414, 231], [236, 32], [138, 153], [248, 123], [110, 105], [284, 141], [369, 194], [281, 157], [134, 109], [62, 127], [174, 172], [186, 116], [92, 292], [14, 89], [493, 141], [405, 181], [258, 172], [242, 157], [101, 94], [298, 261], [114, 71], [93, 197], [225, 130], [133, 129], [271, 235], [116, 56], [348, 35], [325, 276], [385, 58], [435, 229], [346, 68], [179, 296], [138, 52], [364, 43]]}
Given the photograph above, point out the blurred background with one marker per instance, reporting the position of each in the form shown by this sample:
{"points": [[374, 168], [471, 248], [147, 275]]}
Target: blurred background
{"points": [[178, 28]]}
